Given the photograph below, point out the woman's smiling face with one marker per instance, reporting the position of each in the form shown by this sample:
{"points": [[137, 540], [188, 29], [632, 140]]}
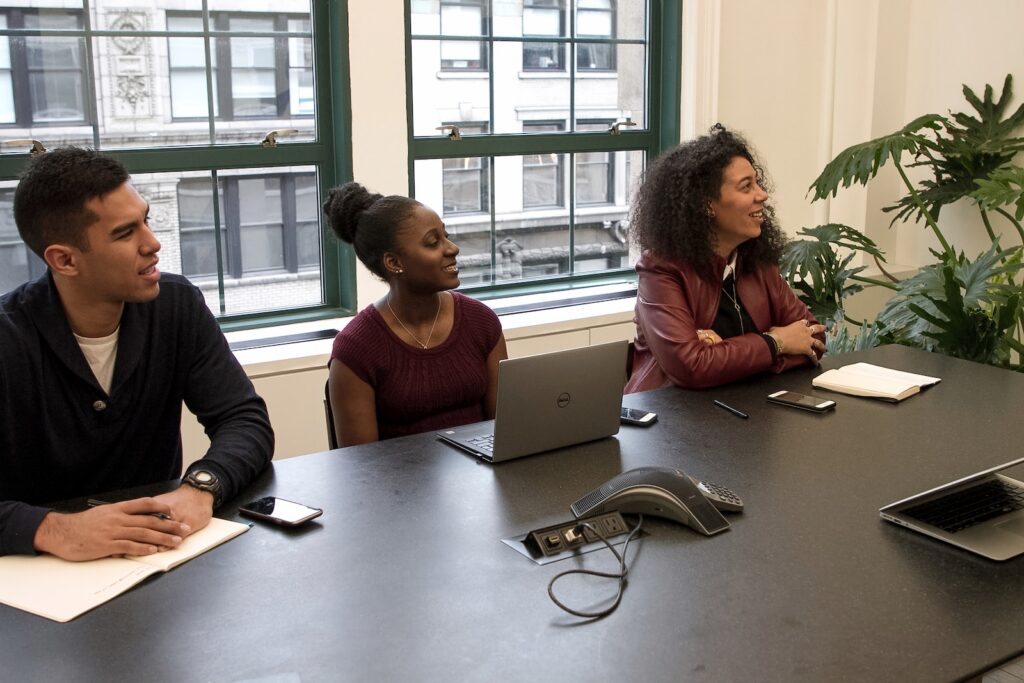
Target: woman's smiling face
{"points": [[738, 211]]}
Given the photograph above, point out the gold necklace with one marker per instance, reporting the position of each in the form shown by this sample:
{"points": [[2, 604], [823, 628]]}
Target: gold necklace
{"points": [[735, 301], [423, 345]]}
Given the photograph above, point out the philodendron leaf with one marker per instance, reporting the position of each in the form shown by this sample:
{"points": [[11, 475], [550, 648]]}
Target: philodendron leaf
{"points": [[1003, 187], [860, 163]]}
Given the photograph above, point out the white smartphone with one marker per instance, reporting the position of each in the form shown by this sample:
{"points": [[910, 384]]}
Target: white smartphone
{"points": [[792, 399]]}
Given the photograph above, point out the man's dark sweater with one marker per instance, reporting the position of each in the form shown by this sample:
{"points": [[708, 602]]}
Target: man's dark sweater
{"points": [[62, 436]]}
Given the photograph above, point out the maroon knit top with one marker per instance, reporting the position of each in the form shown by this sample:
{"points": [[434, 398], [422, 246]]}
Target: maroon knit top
{"points": [[419, 390]]}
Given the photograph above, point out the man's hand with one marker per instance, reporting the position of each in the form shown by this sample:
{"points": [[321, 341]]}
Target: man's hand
{"points": [[132, 527], [189, 505]]}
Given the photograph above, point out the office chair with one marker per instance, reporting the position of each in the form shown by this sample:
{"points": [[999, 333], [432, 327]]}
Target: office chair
{"points": [[332, 438]]}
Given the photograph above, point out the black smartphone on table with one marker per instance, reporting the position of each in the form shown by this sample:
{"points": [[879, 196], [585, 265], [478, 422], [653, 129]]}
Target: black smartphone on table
{"points": [[279, 511], [634, 416], [815, 404]]}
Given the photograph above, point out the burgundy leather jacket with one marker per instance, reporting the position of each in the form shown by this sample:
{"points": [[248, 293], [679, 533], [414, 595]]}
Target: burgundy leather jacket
{"points": [[673, 302]]}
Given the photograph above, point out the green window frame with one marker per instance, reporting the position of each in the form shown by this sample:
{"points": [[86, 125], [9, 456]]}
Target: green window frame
{"points": [[663, 42], [329, 153]]}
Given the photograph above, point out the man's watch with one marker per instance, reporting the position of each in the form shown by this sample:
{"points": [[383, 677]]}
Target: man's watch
{"points": [[205, 480]]}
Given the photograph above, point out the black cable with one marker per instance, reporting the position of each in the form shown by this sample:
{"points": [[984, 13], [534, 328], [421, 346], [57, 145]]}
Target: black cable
{"points": [[620, 575]]}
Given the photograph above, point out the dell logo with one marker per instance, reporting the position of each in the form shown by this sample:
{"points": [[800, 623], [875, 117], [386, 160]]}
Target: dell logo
{"points": [[563, 399]]}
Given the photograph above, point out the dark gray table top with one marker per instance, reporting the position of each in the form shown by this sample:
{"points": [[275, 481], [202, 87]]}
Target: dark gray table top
{"points": [[405, 577]]}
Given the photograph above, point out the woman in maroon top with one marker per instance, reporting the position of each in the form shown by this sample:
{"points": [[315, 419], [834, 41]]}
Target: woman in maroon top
{"points": [[422, 357], [711, 305]]}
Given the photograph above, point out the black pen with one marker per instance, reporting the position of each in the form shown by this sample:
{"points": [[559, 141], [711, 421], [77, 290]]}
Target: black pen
{"points": [[94, 502], [737, 413]]}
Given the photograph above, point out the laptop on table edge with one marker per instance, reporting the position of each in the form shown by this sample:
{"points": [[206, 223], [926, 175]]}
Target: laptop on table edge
{"points": [[998, 536], [549, 401]]}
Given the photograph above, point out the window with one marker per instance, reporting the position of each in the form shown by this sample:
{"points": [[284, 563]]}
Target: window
{"points": [[466, 188], [595, 171], [595, 19], [270, 224], [463, 18], [241, 219], [543, 18], [42, 77], [542, 173], [254, 76], [557, 206]]}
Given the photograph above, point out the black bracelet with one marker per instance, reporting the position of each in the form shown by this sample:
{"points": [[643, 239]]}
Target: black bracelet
{"points": [[772, 345]]}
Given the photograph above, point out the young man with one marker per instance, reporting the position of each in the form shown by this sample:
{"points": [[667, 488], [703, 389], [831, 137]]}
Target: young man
{"points": [[96, 357]]}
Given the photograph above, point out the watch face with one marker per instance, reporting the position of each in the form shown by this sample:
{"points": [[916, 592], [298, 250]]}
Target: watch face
{"points": [[203, 477]]}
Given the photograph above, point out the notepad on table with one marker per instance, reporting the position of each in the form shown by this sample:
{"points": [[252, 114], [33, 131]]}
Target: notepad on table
{"points": [[61, 590], [873, 381]]}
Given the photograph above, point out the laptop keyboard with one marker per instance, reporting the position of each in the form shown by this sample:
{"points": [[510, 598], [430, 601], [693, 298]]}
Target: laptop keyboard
{"points": [[964, 509], [484, 443]]}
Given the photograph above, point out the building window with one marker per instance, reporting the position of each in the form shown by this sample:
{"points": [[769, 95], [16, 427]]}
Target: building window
{"points": [[42, 78], [543, 18], [254, 76], [270, 225], [595, 19], [595, 171], [543, 176], [463, 18]]}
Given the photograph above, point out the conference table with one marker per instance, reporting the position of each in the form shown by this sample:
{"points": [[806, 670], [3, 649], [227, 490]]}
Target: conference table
{"points": [[406, 577]]}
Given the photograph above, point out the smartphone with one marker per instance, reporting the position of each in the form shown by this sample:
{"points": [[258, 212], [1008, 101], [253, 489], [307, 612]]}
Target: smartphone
{"points": [[279, 511], [802, 401], [640, 418]]}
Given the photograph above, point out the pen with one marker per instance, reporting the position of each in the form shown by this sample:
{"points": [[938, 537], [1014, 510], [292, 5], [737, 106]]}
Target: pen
{"points": [[93, 502], [737, 413]]}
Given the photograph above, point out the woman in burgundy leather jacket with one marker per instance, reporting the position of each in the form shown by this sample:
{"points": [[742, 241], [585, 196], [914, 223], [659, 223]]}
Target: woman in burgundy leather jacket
{"points": [[711, 305]]}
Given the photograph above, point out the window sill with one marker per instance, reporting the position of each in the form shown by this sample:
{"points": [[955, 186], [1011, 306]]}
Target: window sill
{"points": [[554, 314], [462, 75]]}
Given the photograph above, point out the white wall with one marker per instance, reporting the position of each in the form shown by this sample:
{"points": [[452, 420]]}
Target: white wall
{"points": [[804, 79]]}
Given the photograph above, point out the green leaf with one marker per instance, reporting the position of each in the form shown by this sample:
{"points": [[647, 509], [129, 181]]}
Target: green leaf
{"points": [[1004, 186], [860, 163]]}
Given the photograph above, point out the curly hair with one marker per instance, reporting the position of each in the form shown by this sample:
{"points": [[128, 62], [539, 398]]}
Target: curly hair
{"points": [[368, 221], [670, 216], [49, 203]]}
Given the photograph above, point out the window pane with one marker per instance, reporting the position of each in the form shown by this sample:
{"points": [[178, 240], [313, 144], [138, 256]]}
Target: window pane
{"points": [[17, 263], [594, 23], [629, 19], [529, 244], [543, 173], [544, 93], [270, 253], [198, 244], [261, 6], [56, 96], [471, 231], [617, 94], [439, 97], [461, 20], [602, 226]]}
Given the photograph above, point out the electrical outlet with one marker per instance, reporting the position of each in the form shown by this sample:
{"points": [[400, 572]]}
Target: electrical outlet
{"points": [[558, 538]]}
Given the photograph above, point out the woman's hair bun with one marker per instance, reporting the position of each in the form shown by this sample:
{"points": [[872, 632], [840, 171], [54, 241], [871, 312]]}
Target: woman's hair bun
{"points": [[344, 207]]}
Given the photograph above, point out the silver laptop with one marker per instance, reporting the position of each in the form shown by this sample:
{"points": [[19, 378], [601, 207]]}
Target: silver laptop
{"points": [[983, 513], [549, 401]]}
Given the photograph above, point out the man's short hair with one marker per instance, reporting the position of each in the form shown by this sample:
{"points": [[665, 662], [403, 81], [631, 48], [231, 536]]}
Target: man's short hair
{"points": [[49, 204]]}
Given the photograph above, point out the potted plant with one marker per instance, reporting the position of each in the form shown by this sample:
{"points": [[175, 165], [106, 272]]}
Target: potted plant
{"points": [[964, 307]]}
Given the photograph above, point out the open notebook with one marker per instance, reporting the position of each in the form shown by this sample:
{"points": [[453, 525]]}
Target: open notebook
{"points": [[873, 381], [61, 590]]}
